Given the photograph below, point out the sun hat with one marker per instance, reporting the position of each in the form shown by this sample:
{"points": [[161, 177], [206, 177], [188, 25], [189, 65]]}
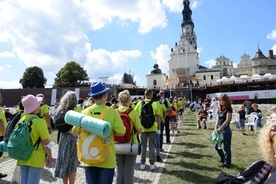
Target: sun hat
{"points": [[97, 89], [31, 103]]}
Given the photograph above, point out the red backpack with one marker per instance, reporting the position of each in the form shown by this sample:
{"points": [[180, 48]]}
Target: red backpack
{"points": [[127, 123]]}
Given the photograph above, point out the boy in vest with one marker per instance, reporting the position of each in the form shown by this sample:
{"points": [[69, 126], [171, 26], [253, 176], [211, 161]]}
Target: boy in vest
{"points": [[148, 135], [166, 122], [102, 172]]}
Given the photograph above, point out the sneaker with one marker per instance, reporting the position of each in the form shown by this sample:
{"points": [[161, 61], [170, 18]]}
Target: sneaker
{"points": [[152, 167], [244, 134], [224, 166], [142, 166], [199, 127], [162, 150], [169, 142], [205, 127], [159, 159]]}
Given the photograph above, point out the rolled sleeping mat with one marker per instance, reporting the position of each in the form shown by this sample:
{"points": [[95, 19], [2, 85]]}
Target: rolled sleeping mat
{"points": [[93, 125], [73, 118], [128, 148]]}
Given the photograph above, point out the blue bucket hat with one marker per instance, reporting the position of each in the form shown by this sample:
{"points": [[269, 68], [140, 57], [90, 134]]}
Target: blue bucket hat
{"points": [[97, 89]]}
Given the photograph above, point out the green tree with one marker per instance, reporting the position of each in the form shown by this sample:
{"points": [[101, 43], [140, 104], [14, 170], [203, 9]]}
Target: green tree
{"points": [[33, 77], [71, 75]]}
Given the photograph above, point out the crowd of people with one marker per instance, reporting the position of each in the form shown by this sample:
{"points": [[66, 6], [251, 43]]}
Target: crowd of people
{"points": [[166, 112]]}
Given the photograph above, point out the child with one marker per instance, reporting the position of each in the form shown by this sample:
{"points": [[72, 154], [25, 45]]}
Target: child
{"points": [[272, 117], [241, 118], [202, 116]]}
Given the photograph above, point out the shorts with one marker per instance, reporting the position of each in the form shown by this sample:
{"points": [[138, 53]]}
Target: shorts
{"points": [[173, 119], [202, 118], [242, 122]]}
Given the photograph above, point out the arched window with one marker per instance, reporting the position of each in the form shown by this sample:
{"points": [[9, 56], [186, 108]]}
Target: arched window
{"points": [[154, 82]]}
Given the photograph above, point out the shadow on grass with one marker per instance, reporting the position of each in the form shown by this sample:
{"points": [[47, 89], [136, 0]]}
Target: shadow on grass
{"points": [[186, 154], [187, 176]]}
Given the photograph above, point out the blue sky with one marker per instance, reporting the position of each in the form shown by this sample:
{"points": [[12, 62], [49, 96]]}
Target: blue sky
{"points": [[109, 38]]}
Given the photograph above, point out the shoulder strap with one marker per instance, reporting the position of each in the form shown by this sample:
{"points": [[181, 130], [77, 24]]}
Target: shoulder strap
{"points": [[103, 113], [128, 111]]}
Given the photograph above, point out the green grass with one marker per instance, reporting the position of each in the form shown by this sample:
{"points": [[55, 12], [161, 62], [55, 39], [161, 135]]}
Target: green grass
{"points": [[193, 158]]}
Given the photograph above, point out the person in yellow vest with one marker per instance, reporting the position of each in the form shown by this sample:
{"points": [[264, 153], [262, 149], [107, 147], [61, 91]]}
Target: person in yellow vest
{"points": [[3, 124], [44, 112], [163, 111], [31, 169], [126, 163], [104, 171], [148, 135]]}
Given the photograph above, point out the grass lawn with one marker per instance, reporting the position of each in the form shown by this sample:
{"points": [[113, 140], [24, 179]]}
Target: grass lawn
{"points": [[193, 158]]}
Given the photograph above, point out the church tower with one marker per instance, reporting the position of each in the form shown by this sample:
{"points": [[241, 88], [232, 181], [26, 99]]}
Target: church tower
{"points": [[184, 56]]}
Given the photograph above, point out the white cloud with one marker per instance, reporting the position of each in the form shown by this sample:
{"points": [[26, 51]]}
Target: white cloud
{"points": [[162, 56], [7, 54], [272, 35], [50, 33], [210, 63], [8, 66], [101, 62], [274, 49], [9, 85], [1, 68]]}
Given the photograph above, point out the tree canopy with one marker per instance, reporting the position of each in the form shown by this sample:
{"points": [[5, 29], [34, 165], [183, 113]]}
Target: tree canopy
{"points": [[33, 77], [71, 75]]}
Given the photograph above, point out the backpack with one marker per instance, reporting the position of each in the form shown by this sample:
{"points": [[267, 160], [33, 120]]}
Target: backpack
{"points": [[147, 115], [10, 126], [127, 123], [20, 145], [93, 149], [60, 124]]}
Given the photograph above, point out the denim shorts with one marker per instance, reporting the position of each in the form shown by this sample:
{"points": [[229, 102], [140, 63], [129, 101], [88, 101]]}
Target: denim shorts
{"points": [[242, 122]]}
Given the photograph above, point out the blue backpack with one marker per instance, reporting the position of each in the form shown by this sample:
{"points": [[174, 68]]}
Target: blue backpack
{"points": [[19, 145]]}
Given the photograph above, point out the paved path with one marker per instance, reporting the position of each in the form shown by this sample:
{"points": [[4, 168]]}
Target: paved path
{"points": [[145, 176]]}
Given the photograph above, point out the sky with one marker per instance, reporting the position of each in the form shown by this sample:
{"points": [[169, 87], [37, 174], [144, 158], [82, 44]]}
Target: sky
{"points": [[110, 38]]}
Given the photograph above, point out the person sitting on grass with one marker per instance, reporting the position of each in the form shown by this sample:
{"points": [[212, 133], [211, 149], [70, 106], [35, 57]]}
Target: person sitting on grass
{"points": [[202, 116]]}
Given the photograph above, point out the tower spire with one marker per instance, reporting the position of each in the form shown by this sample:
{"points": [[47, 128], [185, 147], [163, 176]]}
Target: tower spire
{"points": [[187, 13]]}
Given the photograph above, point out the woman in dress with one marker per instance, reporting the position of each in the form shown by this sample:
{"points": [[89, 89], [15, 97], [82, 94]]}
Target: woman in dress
{"points": [[67, 160], [223, 126]]}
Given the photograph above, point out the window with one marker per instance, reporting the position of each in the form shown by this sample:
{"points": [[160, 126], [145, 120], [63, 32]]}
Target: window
{"points": [[204, 77], [212, 77], [154, 82]]}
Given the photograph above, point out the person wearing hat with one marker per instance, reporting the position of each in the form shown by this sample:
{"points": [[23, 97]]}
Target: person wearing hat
{"points": [[31, 169], [44, 112], [3, 124], [102, 172]]}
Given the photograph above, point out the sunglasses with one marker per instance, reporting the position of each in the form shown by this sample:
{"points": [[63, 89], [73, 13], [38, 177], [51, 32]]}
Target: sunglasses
{"points": [[273, 128]]}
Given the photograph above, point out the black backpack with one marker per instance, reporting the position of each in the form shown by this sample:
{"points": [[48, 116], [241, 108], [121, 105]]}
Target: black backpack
{"points": [[60, 123], [147, 115], [11, 124]]}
